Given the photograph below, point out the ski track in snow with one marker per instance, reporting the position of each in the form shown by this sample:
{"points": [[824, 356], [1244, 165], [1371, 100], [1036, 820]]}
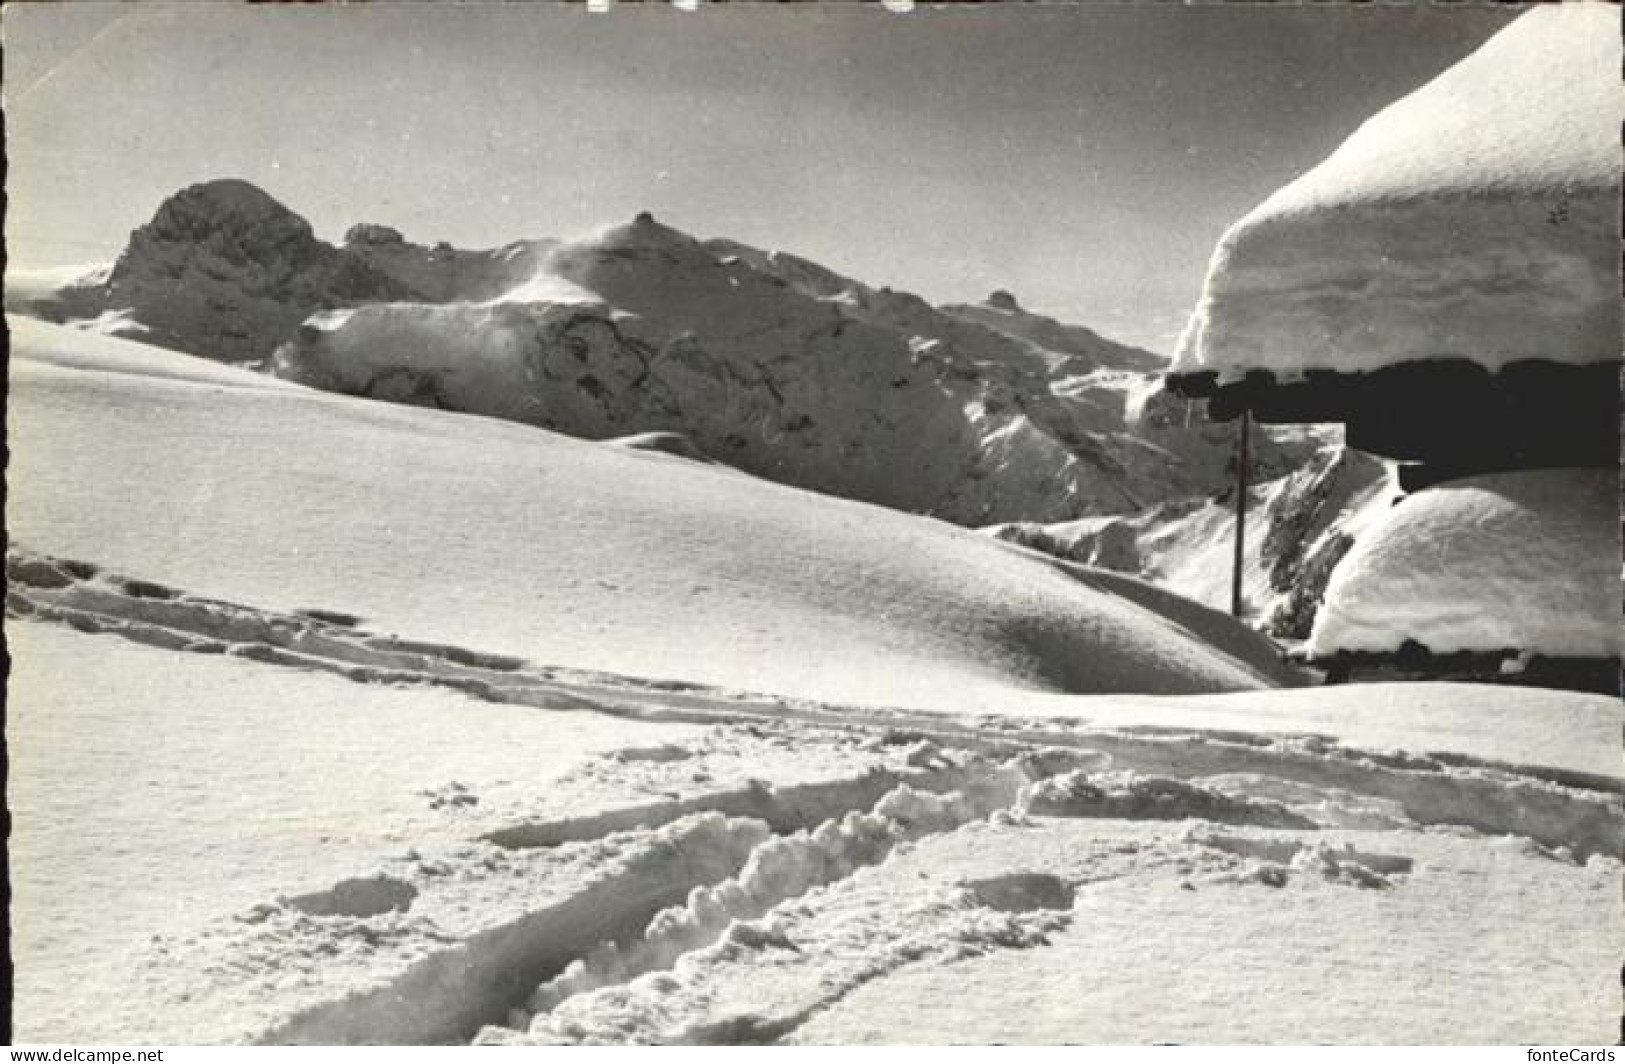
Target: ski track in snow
{"points": [[742, 912]]}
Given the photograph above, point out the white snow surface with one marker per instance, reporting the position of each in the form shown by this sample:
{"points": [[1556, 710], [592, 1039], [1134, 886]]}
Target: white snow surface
{"points": [[1526, 562], [480, 533], [152, 788], [320, 775], [168, 889], [1476, 218]]}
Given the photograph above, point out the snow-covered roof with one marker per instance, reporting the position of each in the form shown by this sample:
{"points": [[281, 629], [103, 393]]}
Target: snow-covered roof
{"points": [[1527, 562], [1476, 218]]}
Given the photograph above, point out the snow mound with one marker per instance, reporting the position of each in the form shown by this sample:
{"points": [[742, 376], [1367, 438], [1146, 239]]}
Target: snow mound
{"points": [[552, 549], [1475, 219], [544, 364], [1520, 562], [1129, 796]]}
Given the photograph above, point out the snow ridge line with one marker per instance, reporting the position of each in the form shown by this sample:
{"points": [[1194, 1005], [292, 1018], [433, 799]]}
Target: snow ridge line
{"points": [[1554, 807], [783, 809]]}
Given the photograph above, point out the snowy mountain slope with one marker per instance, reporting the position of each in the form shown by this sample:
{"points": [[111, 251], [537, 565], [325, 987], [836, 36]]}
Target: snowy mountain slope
{"points": [[442, 273], [553, 549], [837, 391], [1004, 315], [1299, 527], [30, 291], [331, 721], [221, 267], [226, 272], [767, 362]]}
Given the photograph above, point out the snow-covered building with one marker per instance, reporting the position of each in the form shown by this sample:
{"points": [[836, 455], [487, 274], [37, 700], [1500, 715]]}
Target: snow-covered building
{"points": [[1447, 285]]}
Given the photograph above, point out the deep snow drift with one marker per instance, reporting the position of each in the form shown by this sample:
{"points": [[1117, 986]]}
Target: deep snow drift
{"points": [[297, 756], [1521, 562], [553, 549], [1475, 219]]}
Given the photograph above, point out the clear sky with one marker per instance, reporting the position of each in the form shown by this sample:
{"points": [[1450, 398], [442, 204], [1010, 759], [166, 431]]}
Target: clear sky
{"points": [[1084, 157]]}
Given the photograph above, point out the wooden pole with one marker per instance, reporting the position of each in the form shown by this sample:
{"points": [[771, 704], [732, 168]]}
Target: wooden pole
{"points": [[1241, 513]]}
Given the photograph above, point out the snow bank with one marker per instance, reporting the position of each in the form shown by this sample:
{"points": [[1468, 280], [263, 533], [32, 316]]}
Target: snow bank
{"points": [[78, 349], [1525, 562], [1475, 219], [479, 533]]}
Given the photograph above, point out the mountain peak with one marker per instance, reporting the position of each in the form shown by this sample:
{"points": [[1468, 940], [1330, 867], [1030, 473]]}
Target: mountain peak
{"points": [[227, 204], [1000, 299], [372, 233]]}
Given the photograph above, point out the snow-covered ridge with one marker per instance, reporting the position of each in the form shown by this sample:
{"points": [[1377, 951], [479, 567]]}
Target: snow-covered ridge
{"points": [[1476, 219], [773, 365], [764, 361]]}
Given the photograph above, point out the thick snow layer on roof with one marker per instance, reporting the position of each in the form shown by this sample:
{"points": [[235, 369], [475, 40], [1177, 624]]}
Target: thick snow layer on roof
{"points": [[1476, 219], [1510, 561]]}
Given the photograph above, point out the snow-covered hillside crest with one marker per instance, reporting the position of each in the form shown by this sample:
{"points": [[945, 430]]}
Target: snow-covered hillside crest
{"points": [[766, 362]]}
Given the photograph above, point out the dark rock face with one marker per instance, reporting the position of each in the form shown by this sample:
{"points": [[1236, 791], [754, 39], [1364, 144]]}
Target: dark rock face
{"points": [[223, 271], [226, 272], [232, 221], [370, 233]]}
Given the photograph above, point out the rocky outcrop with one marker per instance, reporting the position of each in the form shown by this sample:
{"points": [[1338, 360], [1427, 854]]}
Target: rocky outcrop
{"points": [[224, 271]]}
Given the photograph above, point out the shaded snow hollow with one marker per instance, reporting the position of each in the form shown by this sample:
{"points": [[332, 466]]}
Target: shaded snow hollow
{"points": [[1477, 219]]}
